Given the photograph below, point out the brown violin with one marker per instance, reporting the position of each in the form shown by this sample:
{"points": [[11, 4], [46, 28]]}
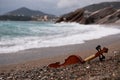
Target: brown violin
{"points": [[73, 59]]}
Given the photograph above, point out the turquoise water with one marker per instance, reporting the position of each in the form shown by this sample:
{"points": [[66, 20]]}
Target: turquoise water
{"points": [[20, 35], [18, 29]]}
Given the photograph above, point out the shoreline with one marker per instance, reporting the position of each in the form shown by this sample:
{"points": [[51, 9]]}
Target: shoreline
{"points": [[42, 57], [49, 52], [39, 57]]}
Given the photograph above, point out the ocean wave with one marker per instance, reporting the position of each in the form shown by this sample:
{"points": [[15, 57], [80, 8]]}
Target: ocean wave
{"points": [[49, 35]]}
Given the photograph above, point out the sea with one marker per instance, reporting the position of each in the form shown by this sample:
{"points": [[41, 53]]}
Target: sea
{"points": [[21, 35]]}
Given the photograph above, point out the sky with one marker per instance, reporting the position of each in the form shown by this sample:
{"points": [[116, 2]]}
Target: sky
{"points": [[56, 7]]}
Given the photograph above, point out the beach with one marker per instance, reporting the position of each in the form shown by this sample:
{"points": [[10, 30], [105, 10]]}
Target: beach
{"points": [[27, 68], [33, 57], [60, 40], [28, 61]]}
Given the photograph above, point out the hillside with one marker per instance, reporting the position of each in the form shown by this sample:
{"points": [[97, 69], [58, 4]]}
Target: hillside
{"points": [[27, 12], [105, 15], [102, 5]]}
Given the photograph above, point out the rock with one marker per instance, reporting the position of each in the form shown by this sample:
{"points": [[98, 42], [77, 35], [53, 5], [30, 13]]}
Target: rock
{"points": [[100, 14], [83, 20], [75, 16], [88, 66], [96, 70], [113, 18], [27, 79], [117, 22], [2, 73], [78, 14], [9, 78], [1, 78]]}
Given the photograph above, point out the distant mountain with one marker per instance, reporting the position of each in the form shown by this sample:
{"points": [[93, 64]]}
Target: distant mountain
{"points": [[27, 12], [95, 7]]}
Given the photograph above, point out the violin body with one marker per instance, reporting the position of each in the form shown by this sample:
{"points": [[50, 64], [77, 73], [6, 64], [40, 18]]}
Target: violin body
{"points": [[72, 59]]}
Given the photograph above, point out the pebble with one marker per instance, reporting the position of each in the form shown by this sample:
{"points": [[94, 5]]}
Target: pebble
{"points": [[88, 66], [1, 78], [109, 69]]}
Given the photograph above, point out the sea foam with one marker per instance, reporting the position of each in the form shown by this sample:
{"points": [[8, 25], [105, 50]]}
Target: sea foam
{"points": [[37, 35]]}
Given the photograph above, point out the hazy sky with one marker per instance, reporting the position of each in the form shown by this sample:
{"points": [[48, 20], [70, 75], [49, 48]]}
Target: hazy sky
{"points": [[56, 7]]}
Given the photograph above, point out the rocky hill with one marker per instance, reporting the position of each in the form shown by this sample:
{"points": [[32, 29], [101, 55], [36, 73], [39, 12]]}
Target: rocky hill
{"points": [[102, 16], [95, 7]]}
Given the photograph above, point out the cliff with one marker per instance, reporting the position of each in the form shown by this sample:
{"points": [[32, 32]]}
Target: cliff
{"points": [[103, 13], [102, 16]]}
